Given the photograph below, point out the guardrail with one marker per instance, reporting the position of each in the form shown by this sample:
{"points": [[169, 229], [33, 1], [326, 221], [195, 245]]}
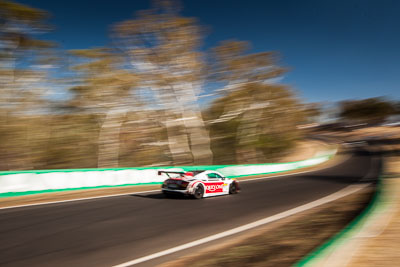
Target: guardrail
{"points": [[17, 183]]}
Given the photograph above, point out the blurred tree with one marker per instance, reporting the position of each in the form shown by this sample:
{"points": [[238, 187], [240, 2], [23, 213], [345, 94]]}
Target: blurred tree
{"points": [[252, 98], [18, 26], [105, 88], [158, 50], [234, 66], [397, 107], [371, 110], [261, 125], [312, 112], [163, 47], [23, 74]]}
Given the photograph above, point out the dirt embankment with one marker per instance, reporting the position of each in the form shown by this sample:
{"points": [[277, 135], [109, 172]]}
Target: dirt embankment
{"points": [[305, 149], [381, 247]]}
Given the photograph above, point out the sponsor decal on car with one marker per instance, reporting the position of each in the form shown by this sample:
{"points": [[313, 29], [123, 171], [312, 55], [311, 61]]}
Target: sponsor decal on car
{"points": [[214, 187]]}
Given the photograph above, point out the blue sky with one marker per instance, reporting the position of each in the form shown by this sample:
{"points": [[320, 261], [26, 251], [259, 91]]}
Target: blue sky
{"points": [[335, 49]]}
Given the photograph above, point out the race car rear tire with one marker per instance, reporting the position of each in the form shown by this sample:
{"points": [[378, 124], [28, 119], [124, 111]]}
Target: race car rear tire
{"points": [[199, 192], [233, 188]]}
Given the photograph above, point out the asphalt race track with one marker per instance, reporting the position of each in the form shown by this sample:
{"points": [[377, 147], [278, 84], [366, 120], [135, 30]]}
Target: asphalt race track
{"points": [[110, 231]]}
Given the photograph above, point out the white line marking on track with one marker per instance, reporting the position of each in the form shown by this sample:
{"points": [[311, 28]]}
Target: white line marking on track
{"points": [[342, 193]]}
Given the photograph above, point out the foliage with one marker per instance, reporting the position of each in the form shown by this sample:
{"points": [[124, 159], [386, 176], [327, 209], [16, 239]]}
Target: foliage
{"points": [[270, 129], [22, 57], [312, 111], [371, 110]]}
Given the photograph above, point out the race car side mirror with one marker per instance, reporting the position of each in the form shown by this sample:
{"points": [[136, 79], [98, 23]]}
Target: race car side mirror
{"points": [[159, 173]]}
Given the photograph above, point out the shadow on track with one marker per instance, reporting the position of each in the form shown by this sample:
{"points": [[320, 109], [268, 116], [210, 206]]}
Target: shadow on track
{"points": [[162, 196]]}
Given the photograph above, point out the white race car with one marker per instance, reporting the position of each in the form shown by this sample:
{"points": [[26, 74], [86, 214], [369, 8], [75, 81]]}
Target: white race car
{"points": [[198, 183]]}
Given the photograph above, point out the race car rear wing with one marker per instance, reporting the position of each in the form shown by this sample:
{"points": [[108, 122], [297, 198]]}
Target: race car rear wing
{"points": [[190, 173], [168, 172]]}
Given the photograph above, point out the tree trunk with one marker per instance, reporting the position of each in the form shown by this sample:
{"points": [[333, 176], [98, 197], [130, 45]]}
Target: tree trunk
{"points": [[178, 142], [108, 142], [198, 136]]}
